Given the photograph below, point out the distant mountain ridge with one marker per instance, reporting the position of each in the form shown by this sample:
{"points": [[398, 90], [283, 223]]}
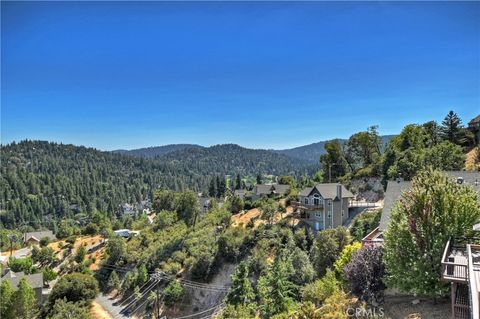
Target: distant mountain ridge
{"points": [[41, 181], [309, 153], [312, 152], [156, 151]]}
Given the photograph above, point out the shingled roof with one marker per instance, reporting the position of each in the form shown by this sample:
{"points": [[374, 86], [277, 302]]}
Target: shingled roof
{"points": [[395, 189], [474, 120], [267, 189], [34, 280], [328, 190], [39, 235], [392, 194], [470, 178]]}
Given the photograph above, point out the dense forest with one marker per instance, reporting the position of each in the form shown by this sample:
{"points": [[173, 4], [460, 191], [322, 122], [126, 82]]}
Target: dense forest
{"points": [[156, 151], [41, 181]]}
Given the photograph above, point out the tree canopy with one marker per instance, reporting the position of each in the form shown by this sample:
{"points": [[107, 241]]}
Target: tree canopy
{"points": [[421, 223]]}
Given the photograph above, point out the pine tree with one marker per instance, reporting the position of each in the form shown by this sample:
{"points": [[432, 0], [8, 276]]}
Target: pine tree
{"points": [[24, 300], [212, 189], [451, 128], [238, 183], [222, 187], [6, 293], [114, 281], [241, 291], [259, 178]]}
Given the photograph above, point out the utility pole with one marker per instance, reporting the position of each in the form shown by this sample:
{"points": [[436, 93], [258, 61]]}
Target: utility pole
{"points": [[11, 237], [158, 302]]}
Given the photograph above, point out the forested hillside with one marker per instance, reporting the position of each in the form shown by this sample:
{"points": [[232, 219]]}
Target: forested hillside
{"points": [[42, 181], [222, 158], [312, 152], [156, 151]]}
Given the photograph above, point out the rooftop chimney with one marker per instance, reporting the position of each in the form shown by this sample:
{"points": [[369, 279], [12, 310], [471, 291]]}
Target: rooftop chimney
{"points": [[339, 191]]}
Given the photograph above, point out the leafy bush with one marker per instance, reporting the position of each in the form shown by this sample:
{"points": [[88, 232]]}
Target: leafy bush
{"points": [[172, 293], [365, 223], [231, 242], [75, 287], [365, 272]]}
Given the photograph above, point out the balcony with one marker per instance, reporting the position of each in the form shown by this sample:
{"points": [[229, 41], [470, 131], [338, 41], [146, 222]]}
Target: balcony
{"points": [[303, 206], [461, 266], [455, 260]]}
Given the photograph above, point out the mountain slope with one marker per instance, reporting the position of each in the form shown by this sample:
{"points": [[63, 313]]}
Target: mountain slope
{"points": [[43, 181], [312, 152], [156, 151], [229, 158]]}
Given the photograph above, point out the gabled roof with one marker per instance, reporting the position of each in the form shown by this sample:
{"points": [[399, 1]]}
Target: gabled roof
{"points": [[39, 235], [328, 190], [468, 178], [395, 189], [34, 280], [266, 189], [392, 194], [474, 120]]}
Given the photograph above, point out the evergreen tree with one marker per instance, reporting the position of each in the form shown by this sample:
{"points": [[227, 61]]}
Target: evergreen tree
{"points": [[114, 281], [6, 302], [333, 162], [212, 188], [259, 178], [222, 187], [451, 128], [275, 290], [241, 291], [24, 300], [238, 182]]}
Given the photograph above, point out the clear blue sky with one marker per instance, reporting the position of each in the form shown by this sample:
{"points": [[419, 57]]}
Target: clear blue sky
{"points": [[264, 75]]}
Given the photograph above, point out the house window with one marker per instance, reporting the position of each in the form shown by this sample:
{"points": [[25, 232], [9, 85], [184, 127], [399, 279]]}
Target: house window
{"points": [[306, 200], [342, 212], [316, 200]]}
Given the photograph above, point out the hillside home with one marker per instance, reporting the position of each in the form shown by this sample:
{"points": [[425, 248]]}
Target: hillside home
{"points": [[34, 238], [324, 206], [35, 281], [461, 262], [126, 233], [270, 190], [474, 126], [395, 190], [242, 193], [204, 203], [392, 194]]}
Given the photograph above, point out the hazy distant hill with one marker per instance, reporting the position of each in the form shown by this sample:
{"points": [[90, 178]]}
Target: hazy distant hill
{"points": [[156, 151], [312, 152], [309, 153]]}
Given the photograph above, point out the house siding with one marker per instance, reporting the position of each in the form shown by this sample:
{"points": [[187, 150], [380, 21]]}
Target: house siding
{"points": [[329, 209]]}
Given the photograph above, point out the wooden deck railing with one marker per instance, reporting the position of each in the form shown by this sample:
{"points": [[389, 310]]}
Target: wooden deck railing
{"points": [[320, 206], [453, 270]]}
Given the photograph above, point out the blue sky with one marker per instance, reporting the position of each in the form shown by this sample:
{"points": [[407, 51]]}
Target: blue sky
{"points": [[260, 74]]}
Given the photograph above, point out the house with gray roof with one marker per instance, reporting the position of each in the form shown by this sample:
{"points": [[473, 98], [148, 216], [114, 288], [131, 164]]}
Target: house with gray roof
{"points": [[324, 205], [270, 190], [34, 238], [34, 280], [394, 192], [474, 126]]}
